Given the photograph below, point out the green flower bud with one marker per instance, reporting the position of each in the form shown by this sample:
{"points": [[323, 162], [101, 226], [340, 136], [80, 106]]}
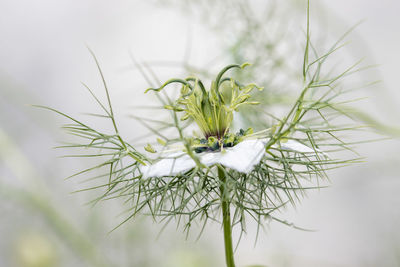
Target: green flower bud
{"points": [[150, 149]]}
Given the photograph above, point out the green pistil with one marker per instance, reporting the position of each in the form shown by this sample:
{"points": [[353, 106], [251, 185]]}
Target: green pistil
{"points": [[211, 110]]}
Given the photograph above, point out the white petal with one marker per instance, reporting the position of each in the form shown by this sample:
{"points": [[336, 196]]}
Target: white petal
{"points": [[242, 157], [170, 165]]}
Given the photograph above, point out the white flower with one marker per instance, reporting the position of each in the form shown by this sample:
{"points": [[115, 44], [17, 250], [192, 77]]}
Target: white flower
{"points": [[243, 158]]}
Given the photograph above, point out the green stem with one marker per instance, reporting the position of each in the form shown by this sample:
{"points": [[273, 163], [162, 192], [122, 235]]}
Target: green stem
{"points": [[226, 219]]}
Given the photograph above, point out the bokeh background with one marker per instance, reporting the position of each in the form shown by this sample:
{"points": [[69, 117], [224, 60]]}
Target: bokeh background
{"points": [[44, 59]]}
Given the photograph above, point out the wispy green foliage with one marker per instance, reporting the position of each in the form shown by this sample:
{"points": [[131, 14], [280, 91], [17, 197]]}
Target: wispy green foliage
{"points": [[195, 194]]}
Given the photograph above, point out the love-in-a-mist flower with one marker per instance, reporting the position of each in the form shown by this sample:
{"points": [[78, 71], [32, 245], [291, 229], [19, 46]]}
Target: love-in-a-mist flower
{"points": [[236, 167], [213, 112]]}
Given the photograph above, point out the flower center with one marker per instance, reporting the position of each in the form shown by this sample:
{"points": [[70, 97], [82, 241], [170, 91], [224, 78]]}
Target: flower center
{"points": [[215, 144], [210, 109]]}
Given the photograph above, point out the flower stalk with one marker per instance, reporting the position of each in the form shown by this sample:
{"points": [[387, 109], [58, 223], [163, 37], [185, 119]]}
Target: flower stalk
{"points": [[226, 218]]}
